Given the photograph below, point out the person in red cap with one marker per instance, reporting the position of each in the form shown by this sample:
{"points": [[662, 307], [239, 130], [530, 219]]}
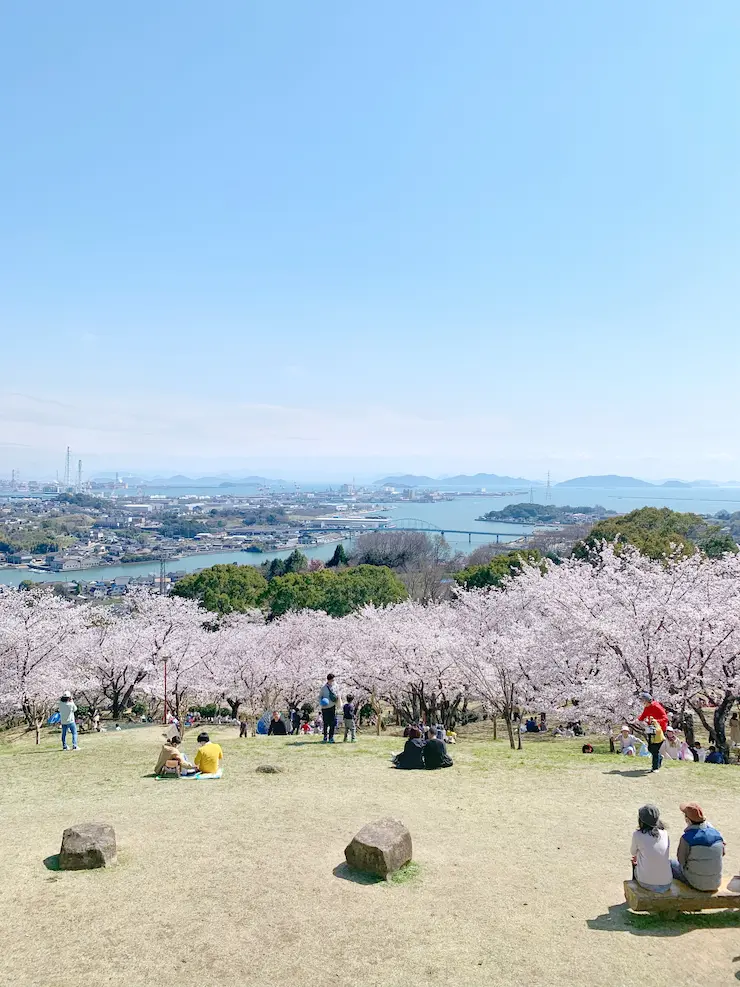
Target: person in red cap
{"points": [[656, 723], [700, 851]]}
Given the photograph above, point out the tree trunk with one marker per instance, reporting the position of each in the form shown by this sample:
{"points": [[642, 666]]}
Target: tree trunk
{"points": [[611, 745], [720, 720], [495, 733], [687, 725], [37, 725], [705, 723], [234, 705], [509, 730]]}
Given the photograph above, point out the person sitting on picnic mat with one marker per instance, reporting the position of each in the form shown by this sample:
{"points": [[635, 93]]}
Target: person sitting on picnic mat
{"points": [[172, 760], [435, 752], [700, 851], [209, 758], [412, 755]]}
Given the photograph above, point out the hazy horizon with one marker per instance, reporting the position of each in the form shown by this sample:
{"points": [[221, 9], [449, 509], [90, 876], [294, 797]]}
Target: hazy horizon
{"points": [[337, 240]]}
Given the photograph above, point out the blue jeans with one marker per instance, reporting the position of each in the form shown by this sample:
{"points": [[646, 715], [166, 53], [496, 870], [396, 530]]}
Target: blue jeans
{"points": [[73, 728]]}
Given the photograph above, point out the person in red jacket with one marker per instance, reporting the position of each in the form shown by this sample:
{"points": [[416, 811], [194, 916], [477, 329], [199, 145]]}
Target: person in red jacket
{"points": [[655, 715]]}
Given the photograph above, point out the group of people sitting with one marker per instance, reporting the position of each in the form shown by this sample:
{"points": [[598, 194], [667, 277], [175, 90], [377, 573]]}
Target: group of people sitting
{"points": [[698, 862], [423, 750], [172, 763]]}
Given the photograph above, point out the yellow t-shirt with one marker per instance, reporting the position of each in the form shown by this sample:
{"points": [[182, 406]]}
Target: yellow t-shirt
{"points": [[208, 757]]}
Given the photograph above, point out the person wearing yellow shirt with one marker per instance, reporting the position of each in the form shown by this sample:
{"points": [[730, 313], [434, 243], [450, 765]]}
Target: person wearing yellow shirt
{"points": [[209, 759]]}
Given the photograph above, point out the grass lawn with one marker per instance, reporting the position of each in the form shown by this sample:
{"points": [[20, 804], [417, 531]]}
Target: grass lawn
{"points": [[520, 858]]}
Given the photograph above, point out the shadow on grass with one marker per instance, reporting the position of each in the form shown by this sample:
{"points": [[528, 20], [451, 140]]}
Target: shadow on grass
{"points": [[634, 773], [52, 863], [620, 919], [402, 876], [305, 743]]}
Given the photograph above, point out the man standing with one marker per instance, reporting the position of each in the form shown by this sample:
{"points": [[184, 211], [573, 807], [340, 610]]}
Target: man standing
{"points": [[328, 699], [67, 710], [656, 720]]}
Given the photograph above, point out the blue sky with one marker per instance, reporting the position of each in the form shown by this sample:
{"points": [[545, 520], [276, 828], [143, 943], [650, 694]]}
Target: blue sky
{"points": [[332, 237]]}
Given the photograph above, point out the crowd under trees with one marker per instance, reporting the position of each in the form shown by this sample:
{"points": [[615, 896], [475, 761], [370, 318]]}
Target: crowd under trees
{"points": [[577, 639]]}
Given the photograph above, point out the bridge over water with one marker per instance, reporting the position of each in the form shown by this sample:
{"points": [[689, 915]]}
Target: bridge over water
{"points": [[417, 524]]}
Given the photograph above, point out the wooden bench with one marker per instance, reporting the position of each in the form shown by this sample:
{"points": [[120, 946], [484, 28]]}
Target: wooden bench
{"points": [[680, 898]]}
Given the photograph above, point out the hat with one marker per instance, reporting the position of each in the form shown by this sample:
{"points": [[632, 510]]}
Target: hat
{"points": [[670, 730], [693, 811], [625, 728], [649, 815], [646, 696], [66, 695]]}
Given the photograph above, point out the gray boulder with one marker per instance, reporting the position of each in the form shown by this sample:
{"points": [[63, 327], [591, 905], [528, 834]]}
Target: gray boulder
{"points": [[269, 769], [380, 848], [87, 846]]}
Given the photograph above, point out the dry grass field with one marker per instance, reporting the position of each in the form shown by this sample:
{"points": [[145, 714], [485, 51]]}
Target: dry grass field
{"points": [[520, 861]]}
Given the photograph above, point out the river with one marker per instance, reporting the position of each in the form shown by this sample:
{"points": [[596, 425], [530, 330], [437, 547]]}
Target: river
{"points": [[459, 513]]}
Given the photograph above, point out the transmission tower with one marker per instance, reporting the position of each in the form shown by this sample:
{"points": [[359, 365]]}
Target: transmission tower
{"points": [[67, 469], [162, 572], [548, 491], [79, 476]]}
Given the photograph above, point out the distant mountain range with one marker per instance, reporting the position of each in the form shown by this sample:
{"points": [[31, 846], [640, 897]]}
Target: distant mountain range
{"points": [[611, 480], [222, 480], [461, 480]]}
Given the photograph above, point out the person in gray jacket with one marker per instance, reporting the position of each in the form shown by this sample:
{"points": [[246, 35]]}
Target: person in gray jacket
{"points": [[67, 710], [700, 851]]}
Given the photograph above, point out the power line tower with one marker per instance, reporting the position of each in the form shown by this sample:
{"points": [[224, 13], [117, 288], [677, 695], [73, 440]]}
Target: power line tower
{"points": [[79, 476], [548, 490], [67, 469], [531, 495], [162, 572]]}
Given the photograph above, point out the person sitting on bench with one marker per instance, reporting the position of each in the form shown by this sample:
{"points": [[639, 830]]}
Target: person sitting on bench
{"points": [[172, 761], [435, 752], [209, 758], [700, 851], [651, 864]]}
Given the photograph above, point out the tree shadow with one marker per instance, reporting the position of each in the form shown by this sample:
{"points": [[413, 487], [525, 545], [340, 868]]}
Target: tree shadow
{"points": [[52, 863], [620, 919], [303, 743], [347, 873], [634, 773]]}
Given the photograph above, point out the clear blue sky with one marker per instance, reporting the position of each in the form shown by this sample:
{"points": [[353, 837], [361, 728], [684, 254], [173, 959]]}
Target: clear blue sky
{"points": [[336, 237]]}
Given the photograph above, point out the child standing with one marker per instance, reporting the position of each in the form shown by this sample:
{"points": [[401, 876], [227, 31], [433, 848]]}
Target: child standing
{"points": [[350, 727]]}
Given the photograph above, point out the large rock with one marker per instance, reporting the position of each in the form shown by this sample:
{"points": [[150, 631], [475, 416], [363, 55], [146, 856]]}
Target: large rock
{"points": [[87, 846], [380, 848]]}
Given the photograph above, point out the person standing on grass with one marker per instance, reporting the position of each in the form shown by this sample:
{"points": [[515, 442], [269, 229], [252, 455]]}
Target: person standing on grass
{"points": [[700, 851], [295, 721], [67, 710], [328, 699], [651, 861], [655, 719], [349, 713]]}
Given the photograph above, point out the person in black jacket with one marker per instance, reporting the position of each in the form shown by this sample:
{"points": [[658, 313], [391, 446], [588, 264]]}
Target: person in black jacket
{"points": [[435, 752], [277, 727], [412, 755]]}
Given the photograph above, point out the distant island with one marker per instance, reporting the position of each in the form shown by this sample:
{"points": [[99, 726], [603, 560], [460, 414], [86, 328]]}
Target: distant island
{"points": [[608, 481], [461, 480], [613, 481], [547, 514]]}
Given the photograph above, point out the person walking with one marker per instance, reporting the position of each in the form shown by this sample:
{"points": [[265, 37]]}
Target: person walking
{"points": [[348, 713], [295, 722], [655, 719], [328, 699], [67, 710]]}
